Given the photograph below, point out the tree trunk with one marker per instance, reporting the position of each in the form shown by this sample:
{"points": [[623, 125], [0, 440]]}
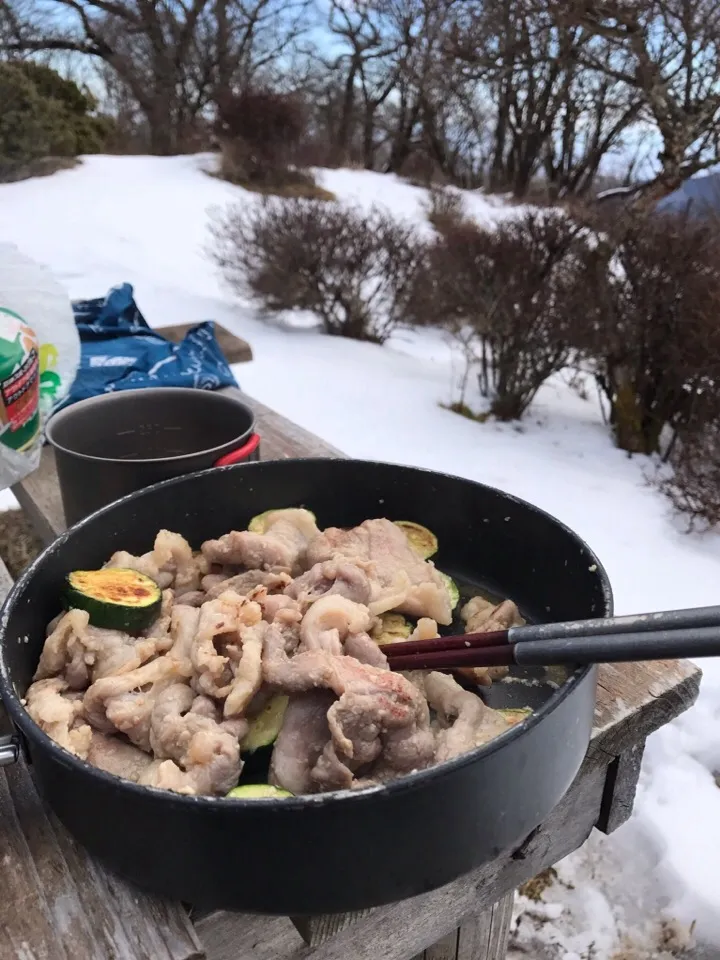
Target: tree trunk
{"points": [[497, 170]]}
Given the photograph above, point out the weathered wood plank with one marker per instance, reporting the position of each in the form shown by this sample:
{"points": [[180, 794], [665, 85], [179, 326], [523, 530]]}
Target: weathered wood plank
{"points": [[316, 930], [485, 936], [26, 927], [234, 349], [283, 439], [635, 699], [39, 496], [444, 949], [52, 883]]}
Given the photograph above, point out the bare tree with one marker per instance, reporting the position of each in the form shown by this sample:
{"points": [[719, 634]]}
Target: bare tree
{"points": [[668, 52], [172, 55]]}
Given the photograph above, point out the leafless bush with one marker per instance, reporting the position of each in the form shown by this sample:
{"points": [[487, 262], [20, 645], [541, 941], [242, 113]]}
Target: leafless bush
{"points": [[445, 209], [693, 482], [259, 132], [650, 325], [354, 270], [507, 296]]}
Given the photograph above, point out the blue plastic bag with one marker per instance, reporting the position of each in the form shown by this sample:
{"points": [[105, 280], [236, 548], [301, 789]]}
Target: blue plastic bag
{"points": [[119, 351]]}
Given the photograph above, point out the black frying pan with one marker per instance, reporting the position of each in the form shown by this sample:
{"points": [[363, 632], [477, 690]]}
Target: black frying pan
{"points": [[341, 851]]}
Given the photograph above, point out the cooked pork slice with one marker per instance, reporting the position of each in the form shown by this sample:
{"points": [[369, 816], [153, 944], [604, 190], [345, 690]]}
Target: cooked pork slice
{"points": [[331, 577], [206, 707], [160, 628], [425, 629], [338, 625], [110, 652], [211, 580], [64, 651], [301, 740], [483, 616], [276, 605], [170, 563], [146, 564], [372, 703], [84, 654], [172, 553], [245, 583], [220, 627], [59, 712], [330, 621], [206, 752], [167, 775], [362, 647], [193, 598], [399, 578], [124, 702], [246, 665], [115, 755], [464, 720], [184, 621], [280, 548]]}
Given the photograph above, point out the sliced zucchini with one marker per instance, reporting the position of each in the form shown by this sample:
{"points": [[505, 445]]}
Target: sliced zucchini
{"points": [[114, 597], [258, 791], [393, 627], [452, 589], [421, 539], [258, 524], [265, 728], [516, 715]]}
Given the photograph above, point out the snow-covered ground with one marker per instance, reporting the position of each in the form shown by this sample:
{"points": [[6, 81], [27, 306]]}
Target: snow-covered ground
{"points": [[144, 220]]}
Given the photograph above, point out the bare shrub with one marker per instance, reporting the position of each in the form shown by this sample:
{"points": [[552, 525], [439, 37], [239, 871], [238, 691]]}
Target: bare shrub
{"points": [[649, 328], [445, 209], [354, 270], [693, 482], [507, 296], [259, 132]]}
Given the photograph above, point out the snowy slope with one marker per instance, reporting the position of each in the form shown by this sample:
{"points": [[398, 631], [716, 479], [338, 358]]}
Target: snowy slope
{"points": [[144, 220]]}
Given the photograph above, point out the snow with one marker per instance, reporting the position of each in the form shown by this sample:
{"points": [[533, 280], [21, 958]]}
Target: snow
{"points": [[144, 220]]}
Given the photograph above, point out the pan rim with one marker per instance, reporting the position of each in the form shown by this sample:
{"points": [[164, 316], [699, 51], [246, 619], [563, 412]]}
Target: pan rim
{"points": [[407, 783]]}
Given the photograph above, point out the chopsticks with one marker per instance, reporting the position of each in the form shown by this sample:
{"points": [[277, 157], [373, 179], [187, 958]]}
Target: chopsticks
{"points": [[671, 634]]}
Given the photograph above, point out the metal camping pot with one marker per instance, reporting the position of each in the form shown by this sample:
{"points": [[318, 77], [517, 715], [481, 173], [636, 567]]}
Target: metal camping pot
{"points": [[117, 443]]}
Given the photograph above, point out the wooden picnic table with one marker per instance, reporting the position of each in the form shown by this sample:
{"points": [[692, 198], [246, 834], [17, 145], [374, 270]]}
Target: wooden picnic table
{"points": [[57, 903]]}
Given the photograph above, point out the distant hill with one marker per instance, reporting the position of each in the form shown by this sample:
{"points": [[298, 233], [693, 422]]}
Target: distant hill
{"points": [[700, 196]]}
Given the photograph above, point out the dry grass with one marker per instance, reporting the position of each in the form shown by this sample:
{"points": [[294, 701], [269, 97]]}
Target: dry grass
{"points": [[294, 185], [534, 889], [465, 411], [18, 543], [299, 190]]}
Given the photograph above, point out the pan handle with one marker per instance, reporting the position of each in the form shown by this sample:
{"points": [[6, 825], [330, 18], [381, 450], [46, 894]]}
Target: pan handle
{"points": [[242, 453], [9, 750]]}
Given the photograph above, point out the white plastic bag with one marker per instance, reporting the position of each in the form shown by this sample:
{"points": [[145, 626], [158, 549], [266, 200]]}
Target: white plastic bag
{"points": [[39, 358]]}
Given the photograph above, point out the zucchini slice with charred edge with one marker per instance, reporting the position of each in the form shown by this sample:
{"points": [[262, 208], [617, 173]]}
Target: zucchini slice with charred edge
{"points": [[114, 598], [258, 791], [422, 540]]}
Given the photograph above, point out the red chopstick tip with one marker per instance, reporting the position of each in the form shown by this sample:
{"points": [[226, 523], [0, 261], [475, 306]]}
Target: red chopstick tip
{"points": [[498, 656]]}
